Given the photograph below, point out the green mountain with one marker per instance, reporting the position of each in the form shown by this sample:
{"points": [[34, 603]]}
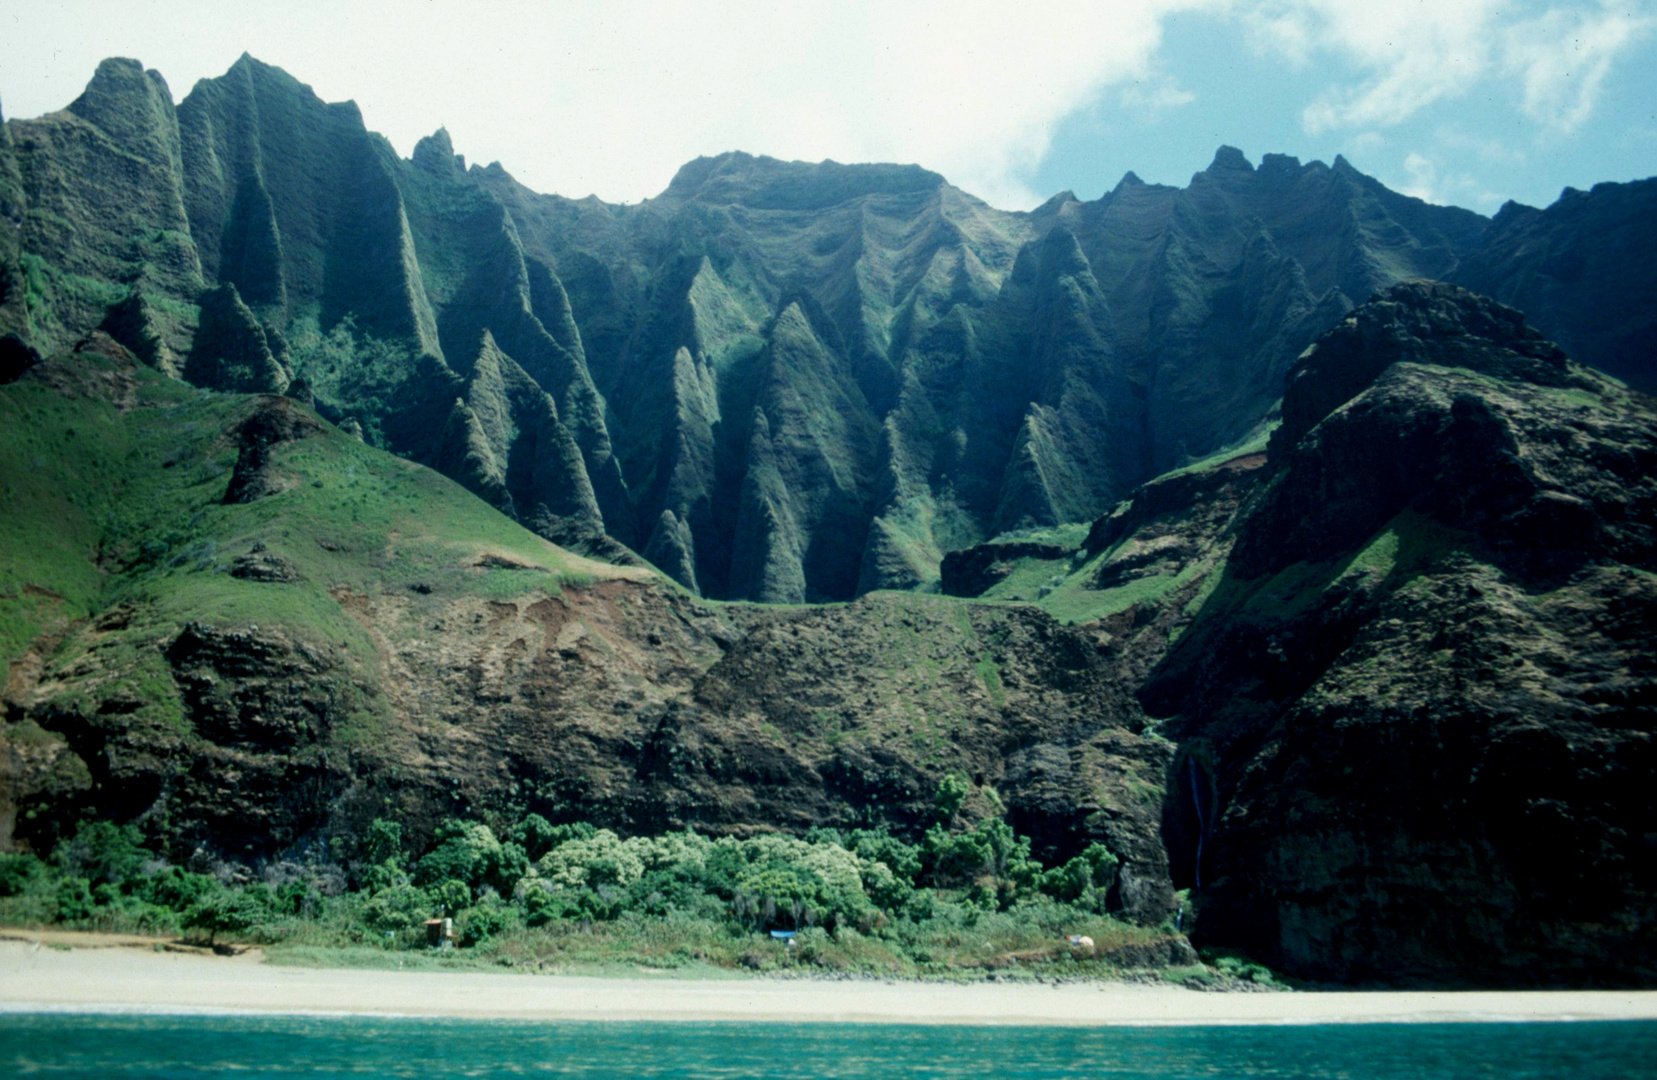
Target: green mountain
{"points": [[778, 381], [1408, 656], [1579, 271], [239, 626], [1287, 576]]}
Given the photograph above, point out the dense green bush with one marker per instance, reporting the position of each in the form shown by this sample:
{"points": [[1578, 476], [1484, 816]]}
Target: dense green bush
{"points": [[399, 907], [176, 889], [858, 899], [101, 851], [17, 871], [74, 900], [227, 911], [479, 924]]}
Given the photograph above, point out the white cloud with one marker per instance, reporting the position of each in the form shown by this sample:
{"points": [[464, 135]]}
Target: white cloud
{"points": [[611, 98], [1408, 57], [1366, 142], [1283, 29], [1423, 177], [1492, 151], [1154, 95], [1425, 180], [1562, 57]]}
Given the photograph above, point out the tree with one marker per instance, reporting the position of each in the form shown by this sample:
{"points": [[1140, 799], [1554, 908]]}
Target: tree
{"points": [[953, 790], [228, 911], [1084, 880], [398, 907], [383, 842]]}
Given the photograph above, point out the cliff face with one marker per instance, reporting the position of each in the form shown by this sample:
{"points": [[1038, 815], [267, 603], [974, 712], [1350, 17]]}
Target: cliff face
{"points": [[866, 367], [251, 634], [783, 382], [1405, 649], [1414, 709], [1579, 271]]}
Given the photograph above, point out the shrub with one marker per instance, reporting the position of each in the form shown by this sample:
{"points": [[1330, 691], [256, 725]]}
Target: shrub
{"points": [[176, 889], [74, 900], [103, 851], [952, 793], [383, 875], [469, 851], [17, 871], [541, 905], [383, 843], [878, 845], [301, 898], [479, 924], [536, 836], [228, 911], [397, 908], [1082, 881], [602, 858], [450, 896], [782, 881]]}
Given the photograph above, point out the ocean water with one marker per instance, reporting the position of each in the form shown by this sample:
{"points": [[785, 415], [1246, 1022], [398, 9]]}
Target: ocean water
{"points": [[126, 1045]]}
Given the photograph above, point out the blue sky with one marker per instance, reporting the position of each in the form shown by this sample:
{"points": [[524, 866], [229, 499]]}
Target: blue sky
{"points": [[1469, 102], [1473, 139]]}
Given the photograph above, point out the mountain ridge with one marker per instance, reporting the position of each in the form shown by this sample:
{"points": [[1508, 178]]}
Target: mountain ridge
{"points": [[988, 370], [652, 328]]}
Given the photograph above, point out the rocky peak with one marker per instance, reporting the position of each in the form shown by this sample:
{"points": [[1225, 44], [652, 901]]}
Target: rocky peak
{"points": [[132, 106], [767, 183], [1421, 322], [1228, 159], [436, 154]]}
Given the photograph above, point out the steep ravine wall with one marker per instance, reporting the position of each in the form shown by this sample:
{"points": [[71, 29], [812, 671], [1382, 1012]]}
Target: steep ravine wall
{"points": [[862, 365]]}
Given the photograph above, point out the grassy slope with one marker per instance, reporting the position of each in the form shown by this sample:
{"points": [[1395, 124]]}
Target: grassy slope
{"points": [[107, 509], [1064, 587]]}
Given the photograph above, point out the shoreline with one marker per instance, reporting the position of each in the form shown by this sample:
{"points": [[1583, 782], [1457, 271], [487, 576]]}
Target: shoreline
{"points": [[126, 978]]}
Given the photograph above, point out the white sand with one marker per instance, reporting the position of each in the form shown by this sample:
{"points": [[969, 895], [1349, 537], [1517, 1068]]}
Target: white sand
{"points": [[33, 977]]}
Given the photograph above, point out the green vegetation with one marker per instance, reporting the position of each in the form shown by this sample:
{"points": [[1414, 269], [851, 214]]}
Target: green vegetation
{"points": [[114, 533], [105, 504], [962, 901], [1255, 444]]}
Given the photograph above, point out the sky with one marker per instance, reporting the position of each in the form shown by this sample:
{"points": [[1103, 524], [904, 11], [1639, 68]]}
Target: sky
{"points": [[1467, 102]]}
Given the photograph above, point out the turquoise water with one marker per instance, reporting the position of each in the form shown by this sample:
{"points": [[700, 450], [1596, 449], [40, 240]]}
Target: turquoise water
{"points": [[59, 1045]]}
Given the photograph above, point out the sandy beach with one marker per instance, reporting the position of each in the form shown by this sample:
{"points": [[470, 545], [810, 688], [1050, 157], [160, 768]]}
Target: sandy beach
{"points": [[36, 977]]}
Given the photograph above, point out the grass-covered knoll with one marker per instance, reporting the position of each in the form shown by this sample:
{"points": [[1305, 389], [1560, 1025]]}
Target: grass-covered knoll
{"points": [[1140, 568], [961, 902], [112, 510]]}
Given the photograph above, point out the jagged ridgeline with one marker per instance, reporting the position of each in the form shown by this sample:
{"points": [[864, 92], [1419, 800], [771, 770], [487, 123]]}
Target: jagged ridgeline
{"points": [[777, 381]]}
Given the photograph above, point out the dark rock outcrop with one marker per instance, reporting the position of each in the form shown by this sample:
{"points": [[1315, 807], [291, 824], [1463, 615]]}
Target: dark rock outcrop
{"points": [[1415, 714], [16, 357], [274, 421], [973, 571], [262, 565]]}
